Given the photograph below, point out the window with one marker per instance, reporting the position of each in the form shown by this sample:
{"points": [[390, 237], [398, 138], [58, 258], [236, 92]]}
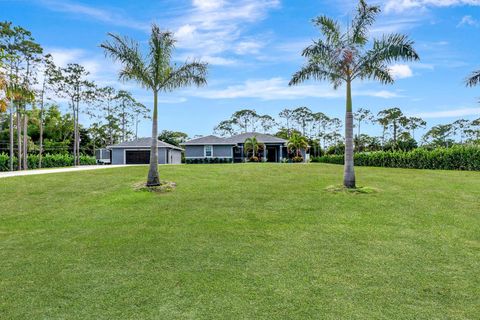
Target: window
{"points": [[208, 151]]}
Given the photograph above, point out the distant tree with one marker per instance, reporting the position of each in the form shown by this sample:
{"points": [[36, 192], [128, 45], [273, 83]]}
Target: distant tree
{"points": [[173, 137], [459, 127], [246, 119], [48, 75], [156, 73], [341, 57], [412, 124], [284, 133], [267, 123], [128, 111], [439, 135], [286, 114], [393, 118], [225, 128], [362, 115], [473, 131], [71, 83], [303, 117]]}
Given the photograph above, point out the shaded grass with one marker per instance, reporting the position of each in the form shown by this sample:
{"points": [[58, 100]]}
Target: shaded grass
{"points": [[254, 241]]}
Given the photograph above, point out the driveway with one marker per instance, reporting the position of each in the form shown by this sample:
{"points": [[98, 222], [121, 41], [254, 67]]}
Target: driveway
{"points": [[55, 170]]}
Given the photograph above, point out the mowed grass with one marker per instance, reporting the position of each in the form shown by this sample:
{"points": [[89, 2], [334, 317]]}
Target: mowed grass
{"points": [[241, 242]]}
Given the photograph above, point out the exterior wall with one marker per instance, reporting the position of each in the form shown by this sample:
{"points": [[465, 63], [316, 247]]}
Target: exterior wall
{"points": [[118, 156], [175, 156], [194, 152], [219, 151], [222, 151]]}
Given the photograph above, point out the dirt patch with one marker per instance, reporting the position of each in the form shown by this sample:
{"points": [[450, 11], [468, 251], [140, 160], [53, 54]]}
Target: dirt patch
{"points": [[164, 187]]}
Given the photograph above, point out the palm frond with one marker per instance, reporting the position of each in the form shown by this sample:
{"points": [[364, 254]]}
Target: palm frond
{"points": [[392, 48], [126, 51], [315, 71], [329, 28], [380, 73], [190, 73], [473, 79], [161, 46], [364, 18]]}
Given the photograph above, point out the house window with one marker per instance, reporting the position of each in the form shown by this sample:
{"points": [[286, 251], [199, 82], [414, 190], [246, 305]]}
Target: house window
{"points": [[208, 151]]}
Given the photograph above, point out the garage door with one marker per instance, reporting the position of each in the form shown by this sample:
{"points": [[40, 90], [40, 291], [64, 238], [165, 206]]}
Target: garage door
{"points": [[137, 157]]}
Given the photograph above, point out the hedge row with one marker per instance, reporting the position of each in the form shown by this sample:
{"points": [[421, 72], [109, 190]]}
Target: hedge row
{"points": [[455, 158], [48, 161], [208, 160]]}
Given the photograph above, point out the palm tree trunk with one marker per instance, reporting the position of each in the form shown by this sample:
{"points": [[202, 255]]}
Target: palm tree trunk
{"points": [[19, 140], [74, 134], [25, 141], [11, 138], [153, 178], [349, 172]]}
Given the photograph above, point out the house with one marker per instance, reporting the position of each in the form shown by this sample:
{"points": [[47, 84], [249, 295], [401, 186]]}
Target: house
{"points": [[138, 152], [231, 148]]}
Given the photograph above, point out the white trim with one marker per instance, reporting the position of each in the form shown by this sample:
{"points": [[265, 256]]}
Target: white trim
{"points": [[205, 151]]}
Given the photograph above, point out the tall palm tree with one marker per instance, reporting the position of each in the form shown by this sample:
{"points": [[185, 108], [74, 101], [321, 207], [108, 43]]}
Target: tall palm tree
{"points": [[341, 57], [154, 71], [298, 143], [473, 79], [253, 145]]}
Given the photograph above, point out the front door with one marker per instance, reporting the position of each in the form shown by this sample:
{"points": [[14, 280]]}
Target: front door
{"points": [[271, 154]]}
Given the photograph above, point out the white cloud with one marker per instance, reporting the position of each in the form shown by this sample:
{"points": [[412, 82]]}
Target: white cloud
{"points": [[469, 21], [278, 89], [403, 5], [401, 71], [215, 28], [110, 16], [452, 113]]}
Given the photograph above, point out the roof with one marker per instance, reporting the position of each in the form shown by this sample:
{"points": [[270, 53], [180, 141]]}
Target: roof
{"points": [[233, 140], [207, 140], [142, 143], [261, 137]]}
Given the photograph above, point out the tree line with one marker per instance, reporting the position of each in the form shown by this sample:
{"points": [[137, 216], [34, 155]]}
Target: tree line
{"points": [[325, 133], [32, 87]]}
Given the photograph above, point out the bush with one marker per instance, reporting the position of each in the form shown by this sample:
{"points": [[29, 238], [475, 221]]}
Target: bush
{"points": [[297, 159], [48, 161], [455, 158], [208, 160]]}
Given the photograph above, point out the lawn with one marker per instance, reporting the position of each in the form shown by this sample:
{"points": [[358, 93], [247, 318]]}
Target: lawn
{"points": [[241, 242]]}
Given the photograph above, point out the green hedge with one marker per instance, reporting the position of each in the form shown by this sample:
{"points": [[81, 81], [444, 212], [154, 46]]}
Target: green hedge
{"points": [[48, 161], [208, 160], [455, 158]]}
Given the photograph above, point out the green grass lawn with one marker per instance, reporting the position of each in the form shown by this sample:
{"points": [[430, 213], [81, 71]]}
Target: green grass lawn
{"points": [[241, 242]]}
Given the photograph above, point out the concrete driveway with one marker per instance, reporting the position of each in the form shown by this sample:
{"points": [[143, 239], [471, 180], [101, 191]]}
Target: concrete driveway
{"points": [[55, 170]]}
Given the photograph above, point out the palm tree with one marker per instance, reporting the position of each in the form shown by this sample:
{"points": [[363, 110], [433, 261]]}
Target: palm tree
{"points": [[253, 145], [298, 143], [342, 57], [473, 79], [154, 72]]}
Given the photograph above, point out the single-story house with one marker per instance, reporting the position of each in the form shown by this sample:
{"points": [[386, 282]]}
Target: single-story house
{"points": [[138, 152], [232, 148]]}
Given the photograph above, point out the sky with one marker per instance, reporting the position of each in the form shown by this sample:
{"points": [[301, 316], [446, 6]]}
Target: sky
{"points": [[254, 46]]}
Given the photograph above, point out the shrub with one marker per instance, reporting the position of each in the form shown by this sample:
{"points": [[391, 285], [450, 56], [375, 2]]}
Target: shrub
{"points": [[455, 158], [253, 159], [297, 159], [48, 161]]}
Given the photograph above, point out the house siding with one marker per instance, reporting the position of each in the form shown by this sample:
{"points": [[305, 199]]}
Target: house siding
{"points": [[194, 151], [222, 151], [118, 155]]}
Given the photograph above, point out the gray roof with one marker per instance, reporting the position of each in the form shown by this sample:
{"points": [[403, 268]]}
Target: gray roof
{"points": [[239, 138], [261, 137], [143, 143], [207, 140]]}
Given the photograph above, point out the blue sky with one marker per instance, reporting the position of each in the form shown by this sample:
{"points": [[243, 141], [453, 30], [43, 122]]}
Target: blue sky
{"points": [[253, 47]]}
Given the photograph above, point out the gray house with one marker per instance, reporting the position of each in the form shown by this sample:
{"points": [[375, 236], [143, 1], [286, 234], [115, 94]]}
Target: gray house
{"points": [[138, 152], [232, 148]]}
